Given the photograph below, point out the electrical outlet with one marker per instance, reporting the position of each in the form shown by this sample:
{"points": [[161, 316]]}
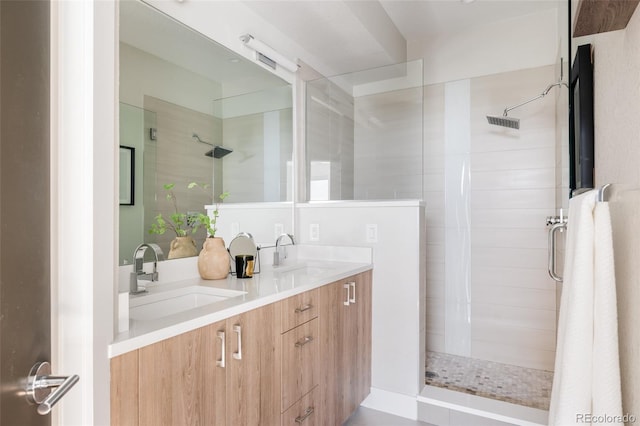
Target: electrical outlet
{"points": [[314, 232], [278, 229], [372, 233], [235, 229]]}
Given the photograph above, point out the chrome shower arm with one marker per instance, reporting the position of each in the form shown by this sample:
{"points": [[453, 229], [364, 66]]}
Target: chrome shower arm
{"points": [[507, 109], [541, 95], [197, 138]]}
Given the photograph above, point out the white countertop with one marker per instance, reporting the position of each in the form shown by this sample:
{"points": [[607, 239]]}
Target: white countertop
{"points": [[269, 286]]}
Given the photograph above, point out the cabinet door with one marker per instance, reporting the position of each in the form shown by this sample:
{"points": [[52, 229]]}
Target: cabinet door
{"points": [[333, 317], [350, 329], [180, 383], [124, 389], [253, 367], [362, 368]]}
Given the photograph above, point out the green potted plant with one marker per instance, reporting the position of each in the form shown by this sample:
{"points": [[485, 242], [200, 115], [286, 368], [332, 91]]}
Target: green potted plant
{"points": [[181, 224], [213, 260], [209, 223]]}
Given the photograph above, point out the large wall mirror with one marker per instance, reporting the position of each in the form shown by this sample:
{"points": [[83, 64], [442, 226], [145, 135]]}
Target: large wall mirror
{"points": [[195, 111]]}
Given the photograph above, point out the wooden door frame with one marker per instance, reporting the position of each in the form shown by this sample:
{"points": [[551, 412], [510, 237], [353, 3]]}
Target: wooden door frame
{"points": [[83, 202]]}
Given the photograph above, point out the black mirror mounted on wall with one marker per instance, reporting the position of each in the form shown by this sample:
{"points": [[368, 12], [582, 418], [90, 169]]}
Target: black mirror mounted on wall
{"points": [[581, 129]]}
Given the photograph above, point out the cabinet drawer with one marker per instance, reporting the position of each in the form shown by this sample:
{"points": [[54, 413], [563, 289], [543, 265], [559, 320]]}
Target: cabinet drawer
{"points": [[300, 357], [299, 309], [305, 412]]}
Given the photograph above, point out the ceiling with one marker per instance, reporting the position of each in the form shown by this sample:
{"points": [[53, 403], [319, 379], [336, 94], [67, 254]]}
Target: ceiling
{"points": [[151, 31], [340, 36], [333, 36], [422, 19]]}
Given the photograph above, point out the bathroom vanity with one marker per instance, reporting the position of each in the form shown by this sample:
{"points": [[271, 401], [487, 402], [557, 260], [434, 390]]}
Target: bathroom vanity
{"points": [[290, 346]]}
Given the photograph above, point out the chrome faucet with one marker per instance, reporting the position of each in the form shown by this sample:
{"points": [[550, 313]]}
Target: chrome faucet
{"points": [[277, 256], [138, 264]]}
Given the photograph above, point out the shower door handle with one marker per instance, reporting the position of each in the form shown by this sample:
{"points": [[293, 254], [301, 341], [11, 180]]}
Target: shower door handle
{"points": [[552, 249]]}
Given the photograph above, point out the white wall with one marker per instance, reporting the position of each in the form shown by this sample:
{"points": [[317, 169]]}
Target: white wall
{"points": [[144, 74], [616, 57], [387, 145]]}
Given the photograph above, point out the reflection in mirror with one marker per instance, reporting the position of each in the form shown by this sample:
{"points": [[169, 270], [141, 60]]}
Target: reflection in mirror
{"points": [[258, 128], [364, 134], [176, 83]]}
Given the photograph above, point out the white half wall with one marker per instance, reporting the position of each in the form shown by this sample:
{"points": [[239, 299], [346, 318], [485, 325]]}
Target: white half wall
{"points": [[398, 281]]}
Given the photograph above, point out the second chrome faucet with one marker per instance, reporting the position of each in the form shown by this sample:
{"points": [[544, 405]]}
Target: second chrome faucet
{"points": [[138, 264], [278, 256]]}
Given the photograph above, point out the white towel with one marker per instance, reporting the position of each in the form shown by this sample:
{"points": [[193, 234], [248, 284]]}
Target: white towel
{"points": [[607, 393], [586, 381]]}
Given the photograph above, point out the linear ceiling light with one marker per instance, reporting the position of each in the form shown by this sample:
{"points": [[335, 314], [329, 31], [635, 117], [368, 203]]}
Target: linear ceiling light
{"points": [[271, 55]]}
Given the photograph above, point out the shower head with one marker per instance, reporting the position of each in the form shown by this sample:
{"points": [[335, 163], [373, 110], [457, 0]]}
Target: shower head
{"points": [[504, 121], [514, 123], [218, 152]]}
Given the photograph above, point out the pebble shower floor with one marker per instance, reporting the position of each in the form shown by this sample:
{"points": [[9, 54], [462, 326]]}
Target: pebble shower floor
{"points": [[509, 383]]}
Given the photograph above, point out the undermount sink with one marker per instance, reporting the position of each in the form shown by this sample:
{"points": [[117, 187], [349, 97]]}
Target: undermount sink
{"points": [[161, 304], [302, 268]]}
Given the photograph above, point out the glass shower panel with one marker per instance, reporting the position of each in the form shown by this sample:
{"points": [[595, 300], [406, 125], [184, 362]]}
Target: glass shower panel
{"points": [[258, 128], [364, 132]]}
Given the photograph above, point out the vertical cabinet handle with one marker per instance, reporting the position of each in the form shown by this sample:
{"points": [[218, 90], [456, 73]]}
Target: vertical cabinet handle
{"points": [[300, 419], [352, 299], [346, 300], [223, 345], [238, 330]]}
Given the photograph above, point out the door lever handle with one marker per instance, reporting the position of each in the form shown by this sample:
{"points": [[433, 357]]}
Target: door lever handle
{"points": [[39, 384]]}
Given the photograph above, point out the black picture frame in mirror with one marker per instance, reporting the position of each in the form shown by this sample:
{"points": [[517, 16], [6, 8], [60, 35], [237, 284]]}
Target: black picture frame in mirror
{"points": [[127, 175]]}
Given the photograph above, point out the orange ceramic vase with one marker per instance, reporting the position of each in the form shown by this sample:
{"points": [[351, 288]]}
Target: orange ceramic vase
{"points": [[213, 261], [182, 247]]}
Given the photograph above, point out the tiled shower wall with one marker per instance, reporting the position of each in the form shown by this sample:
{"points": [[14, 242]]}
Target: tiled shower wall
{"points": [[256, 170], [487, 192], [175, 157]]}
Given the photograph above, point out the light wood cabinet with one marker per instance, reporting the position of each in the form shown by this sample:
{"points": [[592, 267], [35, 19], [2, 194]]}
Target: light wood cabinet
{"points": [[363, 349], [182, 370], [253, 368], [305, 412], [303, 360], [227, 373], [299, 309], [300, 356], [345, 342], [124, 389]]}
